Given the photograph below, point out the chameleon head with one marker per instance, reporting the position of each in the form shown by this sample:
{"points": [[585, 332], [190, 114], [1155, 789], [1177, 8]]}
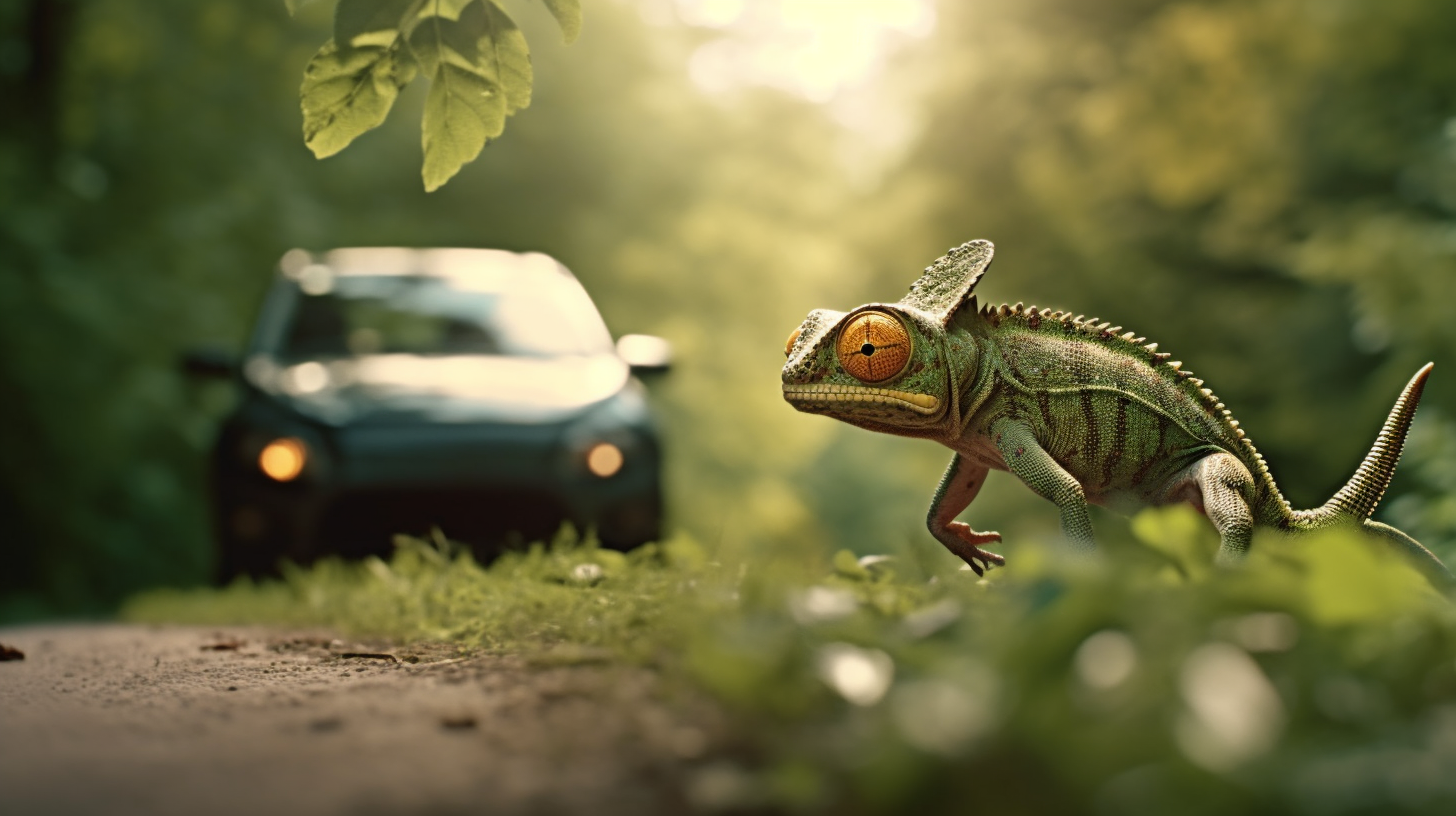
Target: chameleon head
{"points": [[878, 365], [884, 366]]}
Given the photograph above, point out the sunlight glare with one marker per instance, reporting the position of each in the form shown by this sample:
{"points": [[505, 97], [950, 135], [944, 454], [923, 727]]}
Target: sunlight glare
{"points": [[710, 13], [814, 48]]}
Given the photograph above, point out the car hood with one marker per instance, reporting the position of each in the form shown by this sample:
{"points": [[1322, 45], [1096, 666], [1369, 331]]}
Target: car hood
{"points": [[455, 389]]}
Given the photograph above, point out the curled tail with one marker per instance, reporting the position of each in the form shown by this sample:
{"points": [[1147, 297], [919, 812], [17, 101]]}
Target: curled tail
{"points": [[1356, 501], [1358, 498]]}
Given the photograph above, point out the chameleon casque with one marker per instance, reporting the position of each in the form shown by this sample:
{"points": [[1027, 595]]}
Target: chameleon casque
{"points": [[1080, 411]]}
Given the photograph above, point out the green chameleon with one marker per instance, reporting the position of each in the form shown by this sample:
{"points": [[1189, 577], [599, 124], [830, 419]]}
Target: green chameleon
{"points": [[1078, 410]]}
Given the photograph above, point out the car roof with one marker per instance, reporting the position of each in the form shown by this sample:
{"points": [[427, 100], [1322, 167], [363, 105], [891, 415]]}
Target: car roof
{"points": [[476, 269]]}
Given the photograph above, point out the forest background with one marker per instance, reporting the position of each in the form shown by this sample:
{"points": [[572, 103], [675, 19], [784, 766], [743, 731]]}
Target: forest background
{"points": [[1265, 187]]}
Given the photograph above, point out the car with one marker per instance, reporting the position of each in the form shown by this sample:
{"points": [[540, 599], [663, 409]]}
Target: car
{"points": [[398, 390]]}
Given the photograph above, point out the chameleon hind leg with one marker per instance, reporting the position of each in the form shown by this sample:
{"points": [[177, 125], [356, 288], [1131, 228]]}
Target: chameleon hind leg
{"points": [[958, 488], [1029, 462], [1219, 486]]}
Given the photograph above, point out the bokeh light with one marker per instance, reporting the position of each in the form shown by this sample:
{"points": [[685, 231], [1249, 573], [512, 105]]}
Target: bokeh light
{"points": [[604, 459], [283, 459]]}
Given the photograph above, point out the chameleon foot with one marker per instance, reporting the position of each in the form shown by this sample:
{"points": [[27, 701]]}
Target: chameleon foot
{"points": [[963, 540]]}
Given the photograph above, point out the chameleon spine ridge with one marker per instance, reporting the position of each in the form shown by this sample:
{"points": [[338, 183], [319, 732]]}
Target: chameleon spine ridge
{"points": [[1139, 347]]}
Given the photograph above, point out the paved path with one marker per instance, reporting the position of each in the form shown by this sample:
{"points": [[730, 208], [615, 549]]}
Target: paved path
{"points": [[119, 719]]}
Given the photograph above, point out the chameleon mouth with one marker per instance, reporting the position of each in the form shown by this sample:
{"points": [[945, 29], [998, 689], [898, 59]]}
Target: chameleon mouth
{"points": [[919, 403]]}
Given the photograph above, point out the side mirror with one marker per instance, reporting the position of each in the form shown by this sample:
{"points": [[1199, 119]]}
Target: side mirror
{"points": [[210, 363], [644, 353]]}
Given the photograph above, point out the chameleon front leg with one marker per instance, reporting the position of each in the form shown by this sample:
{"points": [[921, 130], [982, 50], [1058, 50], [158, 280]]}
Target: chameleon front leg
{"points": [[958, 487], [1029, 462]]}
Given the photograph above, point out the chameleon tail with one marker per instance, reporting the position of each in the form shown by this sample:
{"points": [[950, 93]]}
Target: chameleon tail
{"points": [[1358, 498]]}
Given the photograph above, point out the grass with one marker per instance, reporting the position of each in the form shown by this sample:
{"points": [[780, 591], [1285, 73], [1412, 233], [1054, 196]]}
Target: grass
{"points": [[1318, 678]]}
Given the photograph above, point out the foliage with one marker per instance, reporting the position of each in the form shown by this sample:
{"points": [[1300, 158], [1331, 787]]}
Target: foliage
{"points": [[1161, 164], [1263, 186], [1317, 678], [470, 51]]}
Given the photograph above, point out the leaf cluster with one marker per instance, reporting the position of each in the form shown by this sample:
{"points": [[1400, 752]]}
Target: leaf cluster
{"points": [[471, 53]]}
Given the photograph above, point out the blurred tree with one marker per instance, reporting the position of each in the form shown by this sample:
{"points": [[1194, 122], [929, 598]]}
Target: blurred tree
{"points": [[1263, 186]]}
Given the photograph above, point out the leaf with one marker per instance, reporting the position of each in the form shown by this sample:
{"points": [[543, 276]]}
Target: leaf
{"points": [[1180, 535], [294, 5], [847, 565], [438, 39], [462, 112], [568, 16], [505, 57], [348, 92], [464, 108], [355, 18]]}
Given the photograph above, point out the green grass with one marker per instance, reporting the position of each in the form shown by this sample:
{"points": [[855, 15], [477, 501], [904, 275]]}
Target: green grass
{"points": [[1318, 678]]}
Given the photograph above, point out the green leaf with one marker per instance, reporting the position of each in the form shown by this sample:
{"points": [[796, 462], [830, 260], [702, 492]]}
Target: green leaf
{"points": [[506, 59], [847, 565], [294, 5], [568, 16], [438, 39], [356, 18], [464, 108], [1179, 534], [462, 112], [347, 92]]}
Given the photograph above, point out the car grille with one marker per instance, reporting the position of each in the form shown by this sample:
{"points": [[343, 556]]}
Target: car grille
{"points": [[440, 455]]}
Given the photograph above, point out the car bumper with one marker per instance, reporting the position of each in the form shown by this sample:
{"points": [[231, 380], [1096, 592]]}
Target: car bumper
{"points": [[486, 487]]}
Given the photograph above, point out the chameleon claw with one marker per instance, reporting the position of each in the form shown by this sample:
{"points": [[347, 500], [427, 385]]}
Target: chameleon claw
{"points": [[965, 545], [981, 560], [963, 531]]}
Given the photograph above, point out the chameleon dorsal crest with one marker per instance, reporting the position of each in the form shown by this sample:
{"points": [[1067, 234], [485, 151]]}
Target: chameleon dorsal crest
{"points": [[949, 281]]}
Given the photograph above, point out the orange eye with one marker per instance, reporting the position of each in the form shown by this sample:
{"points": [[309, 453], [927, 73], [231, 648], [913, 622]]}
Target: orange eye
{"points": [[873, 347], [793, 338]]}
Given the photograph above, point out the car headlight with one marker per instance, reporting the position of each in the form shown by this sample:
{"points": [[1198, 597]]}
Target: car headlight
{"points": [[282, 460], [604, 459]]}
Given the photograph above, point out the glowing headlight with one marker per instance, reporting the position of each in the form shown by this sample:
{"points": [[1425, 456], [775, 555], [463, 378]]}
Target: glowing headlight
{"points": [[283, 459], [604, 459]]}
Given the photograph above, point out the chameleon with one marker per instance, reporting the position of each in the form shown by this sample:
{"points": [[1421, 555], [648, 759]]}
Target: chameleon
{"points": [[1079, 410]]}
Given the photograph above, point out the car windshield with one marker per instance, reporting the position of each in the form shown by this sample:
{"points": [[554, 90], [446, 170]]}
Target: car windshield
{"points": [[544, 315]]}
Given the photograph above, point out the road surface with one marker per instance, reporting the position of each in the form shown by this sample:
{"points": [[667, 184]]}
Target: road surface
{"points": [[125, 719]]}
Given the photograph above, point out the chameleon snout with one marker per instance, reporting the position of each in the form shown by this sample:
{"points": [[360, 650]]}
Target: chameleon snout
{"points": [[803, 372]]}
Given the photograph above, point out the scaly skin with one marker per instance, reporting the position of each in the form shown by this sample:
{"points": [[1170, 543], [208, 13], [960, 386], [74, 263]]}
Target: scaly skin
{"points": [[1080, 411]]}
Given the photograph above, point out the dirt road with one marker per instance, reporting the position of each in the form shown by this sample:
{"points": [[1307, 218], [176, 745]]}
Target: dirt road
{"points": [[117, 719]]}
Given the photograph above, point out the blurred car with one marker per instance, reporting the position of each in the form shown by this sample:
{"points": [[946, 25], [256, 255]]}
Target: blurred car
{"points": [[395, 390]]}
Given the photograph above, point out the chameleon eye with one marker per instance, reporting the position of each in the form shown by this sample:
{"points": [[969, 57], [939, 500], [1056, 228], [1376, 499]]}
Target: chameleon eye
{"points": [[873, 347], [793, 338]]}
